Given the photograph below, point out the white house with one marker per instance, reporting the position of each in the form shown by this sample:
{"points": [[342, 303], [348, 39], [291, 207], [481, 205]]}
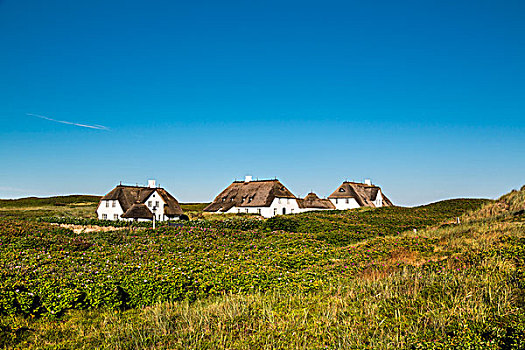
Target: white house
{"points": [[138, 203], [264, 197], [351, 195]]}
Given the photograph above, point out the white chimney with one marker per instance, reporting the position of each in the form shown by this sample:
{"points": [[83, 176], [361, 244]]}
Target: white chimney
{"points": [[247, 178], [151, 184], [368, 182]]}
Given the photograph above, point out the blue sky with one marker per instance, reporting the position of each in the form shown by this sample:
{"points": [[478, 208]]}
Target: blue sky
{"points": [[426, 98]]}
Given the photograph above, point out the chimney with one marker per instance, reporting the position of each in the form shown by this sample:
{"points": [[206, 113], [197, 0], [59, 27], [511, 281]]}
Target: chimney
{"points": [[151, 184], [247, 178], [368, 182]]}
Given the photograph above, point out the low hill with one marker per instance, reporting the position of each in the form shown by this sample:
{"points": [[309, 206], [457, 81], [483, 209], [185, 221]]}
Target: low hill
{"points": [[46, 201], [73, 206], [511, 205]]}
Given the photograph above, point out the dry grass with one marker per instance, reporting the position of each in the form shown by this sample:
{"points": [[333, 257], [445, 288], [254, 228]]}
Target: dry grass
{"points": [[509, 205], [382, 312]]}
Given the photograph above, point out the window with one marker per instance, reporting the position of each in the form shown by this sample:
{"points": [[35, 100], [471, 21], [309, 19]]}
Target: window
{"points": [[239, 211], [224, 199], [243, 199], [336, 201], [115, 216], [347, 201], [279, 200], [341, 190], [107, 204], [114, 204], [250, 199], [246, 210], [104, 216], [149, 204], [259, 211], [274, 211], [157, 203]]}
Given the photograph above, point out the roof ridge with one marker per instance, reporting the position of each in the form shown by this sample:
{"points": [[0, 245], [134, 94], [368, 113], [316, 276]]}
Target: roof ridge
{"points": [[242, 181]]}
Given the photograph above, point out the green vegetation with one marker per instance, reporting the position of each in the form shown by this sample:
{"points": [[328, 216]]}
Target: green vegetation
{"points": [[71, 207], [78, 206], [349, 279]]}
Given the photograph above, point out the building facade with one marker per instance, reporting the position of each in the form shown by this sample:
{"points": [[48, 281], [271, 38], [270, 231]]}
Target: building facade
{"points": [[351, 195], [139, 203]]}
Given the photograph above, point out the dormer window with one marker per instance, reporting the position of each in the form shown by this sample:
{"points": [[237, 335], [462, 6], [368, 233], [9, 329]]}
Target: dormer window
{"points": [[224, 199], [341, 190], [250, 199], [243, 199]]}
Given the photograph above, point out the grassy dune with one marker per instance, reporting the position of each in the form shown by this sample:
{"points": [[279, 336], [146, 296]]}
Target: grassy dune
{"points": [[444, 286]]}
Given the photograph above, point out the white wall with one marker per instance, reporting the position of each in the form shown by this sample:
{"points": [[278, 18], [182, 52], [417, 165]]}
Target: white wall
{"points": [[379, 199], [110, 208], [345, 203], [155, 200], [288, 204], [276, 208]]}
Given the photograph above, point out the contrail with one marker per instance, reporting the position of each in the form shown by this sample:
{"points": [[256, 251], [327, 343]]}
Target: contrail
{"points": [[97, 127]]}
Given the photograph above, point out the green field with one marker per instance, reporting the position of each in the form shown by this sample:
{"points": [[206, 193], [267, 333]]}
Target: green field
{"points": [[74, 206], [368, 278]]}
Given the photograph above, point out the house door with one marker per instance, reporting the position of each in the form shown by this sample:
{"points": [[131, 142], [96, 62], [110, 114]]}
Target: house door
{"points": [[284, 211]]}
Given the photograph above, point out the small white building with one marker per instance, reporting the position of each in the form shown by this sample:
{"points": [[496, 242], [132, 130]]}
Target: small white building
{"points": [[139, 203], [351, 195], [312, 202]]}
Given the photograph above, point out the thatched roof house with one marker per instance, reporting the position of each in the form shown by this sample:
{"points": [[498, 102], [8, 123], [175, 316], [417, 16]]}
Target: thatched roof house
{"points": [[354, 194], [249, 194], [313, 202], [139, 203]]}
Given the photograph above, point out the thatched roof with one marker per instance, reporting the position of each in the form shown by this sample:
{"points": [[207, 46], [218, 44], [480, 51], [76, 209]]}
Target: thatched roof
{"points": [[259, 193], [364, 194], [127, 196], [138, 211], [313, 201], [172, 207]]}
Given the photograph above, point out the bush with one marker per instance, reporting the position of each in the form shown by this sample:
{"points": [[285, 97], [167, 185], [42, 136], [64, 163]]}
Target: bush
{"points": [[282, 223]]}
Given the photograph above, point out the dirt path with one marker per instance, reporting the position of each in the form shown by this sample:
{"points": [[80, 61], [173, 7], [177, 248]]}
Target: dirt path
{"points": [[90, 228]]}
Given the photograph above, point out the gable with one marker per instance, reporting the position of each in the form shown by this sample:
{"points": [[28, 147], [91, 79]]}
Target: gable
{"points": [[127, 196], [365, 195]]}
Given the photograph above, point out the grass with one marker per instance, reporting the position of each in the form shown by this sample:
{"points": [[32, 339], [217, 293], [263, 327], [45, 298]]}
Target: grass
{"points": [[397, 310], [446, 286], [73, 206]]}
